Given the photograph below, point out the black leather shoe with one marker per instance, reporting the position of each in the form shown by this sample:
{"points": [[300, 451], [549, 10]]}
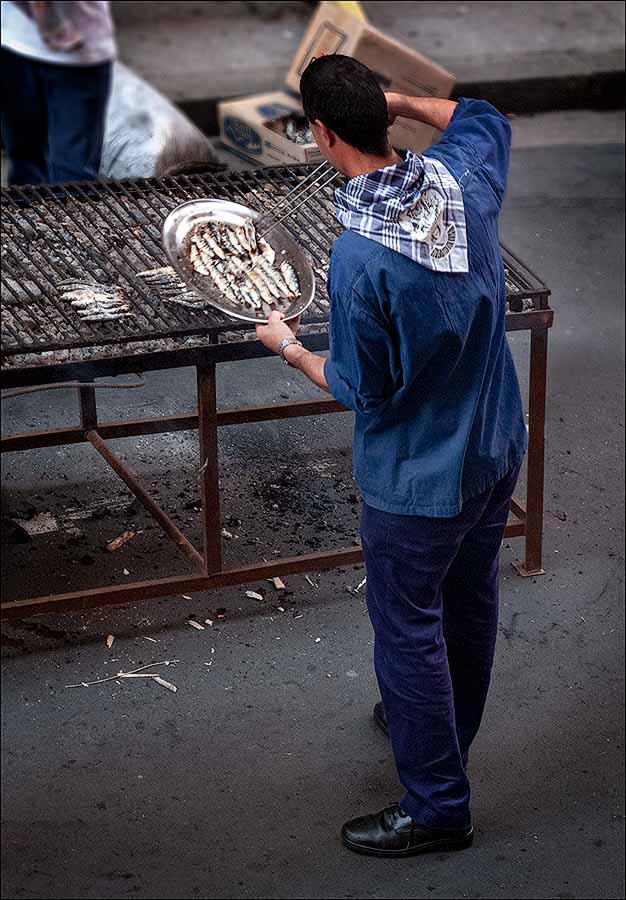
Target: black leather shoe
{"points": [[393, 833], [380, 717]]}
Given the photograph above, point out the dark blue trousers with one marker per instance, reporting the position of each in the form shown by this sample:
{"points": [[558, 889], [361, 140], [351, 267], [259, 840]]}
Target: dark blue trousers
{"points": [[432, 594], [52, 119]]}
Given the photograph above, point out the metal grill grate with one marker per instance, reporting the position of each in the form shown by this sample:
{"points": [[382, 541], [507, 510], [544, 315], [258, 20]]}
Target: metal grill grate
{"points": [[108, 232]]}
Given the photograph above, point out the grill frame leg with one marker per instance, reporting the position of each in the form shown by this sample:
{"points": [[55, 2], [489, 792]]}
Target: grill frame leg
{"points": [[533, 542], [209, 468], [87, 407]]}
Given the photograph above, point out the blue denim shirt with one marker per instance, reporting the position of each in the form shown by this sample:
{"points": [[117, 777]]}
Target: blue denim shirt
{"points": [[422, 356]]}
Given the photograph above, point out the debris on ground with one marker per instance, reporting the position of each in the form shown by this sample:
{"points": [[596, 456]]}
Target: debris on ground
{"points": [[165, 684], [252, 595], [125, 572], [278, 583], [154, 640], [73, 530], [310, 581], [226, 534], [195, 624], [40, 523], [119, 541], [360, 585], [156, 678], [132, 673], [109, 641]]}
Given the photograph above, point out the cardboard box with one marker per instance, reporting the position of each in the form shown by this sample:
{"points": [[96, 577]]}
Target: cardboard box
{"points": [[333, 30], [251, 127], [353, 7]]}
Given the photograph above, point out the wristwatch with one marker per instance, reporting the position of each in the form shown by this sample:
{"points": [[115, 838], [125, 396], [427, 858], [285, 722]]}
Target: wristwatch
{"points": [[285, 343]]}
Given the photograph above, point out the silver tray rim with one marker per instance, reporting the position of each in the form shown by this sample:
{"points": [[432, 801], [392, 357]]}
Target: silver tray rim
{"points": [[183, 218]]}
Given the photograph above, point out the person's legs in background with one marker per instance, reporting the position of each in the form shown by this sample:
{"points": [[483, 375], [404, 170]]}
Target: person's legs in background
{"points": [[24, 119], [470, 612], [76, 98]]}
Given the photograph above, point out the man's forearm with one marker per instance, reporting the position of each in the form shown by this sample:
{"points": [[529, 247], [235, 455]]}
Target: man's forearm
{"points": [[430, 110], [308, 363]]}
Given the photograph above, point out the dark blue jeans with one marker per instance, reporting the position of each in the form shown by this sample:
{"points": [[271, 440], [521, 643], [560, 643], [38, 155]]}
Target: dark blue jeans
{"points": [[52, 119], [432, 593]]}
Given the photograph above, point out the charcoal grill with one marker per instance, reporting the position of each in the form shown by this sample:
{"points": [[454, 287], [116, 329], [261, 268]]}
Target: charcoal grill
{"points": [[107, 233]]}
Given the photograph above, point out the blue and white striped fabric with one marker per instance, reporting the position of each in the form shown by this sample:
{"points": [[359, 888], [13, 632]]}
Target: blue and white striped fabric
{"points": [[414, 207]]}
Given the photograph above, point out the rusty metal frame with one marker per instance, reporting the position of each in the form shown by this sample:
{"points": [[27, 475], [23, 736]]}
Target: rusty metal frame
{"points": [[526, 517]]}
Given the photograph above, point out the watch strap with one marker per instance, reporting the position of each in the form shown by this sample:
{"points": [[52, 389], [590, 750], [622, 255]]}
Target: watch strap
{"points": [[286, 343]]}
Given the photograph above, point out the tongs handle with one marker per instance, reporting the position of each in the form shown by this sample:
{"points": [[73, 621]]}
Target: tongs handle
{"points": [[293, 209]]}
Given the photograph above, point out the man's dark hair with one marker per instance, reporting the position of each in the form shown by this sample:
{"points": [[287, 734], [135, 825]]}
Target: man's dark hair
{"points": [[343, 94]]}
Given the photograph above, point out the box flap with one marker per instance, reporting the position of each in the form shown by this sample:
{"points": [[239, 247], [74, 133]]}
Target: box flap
{"points": [[333, 30]]}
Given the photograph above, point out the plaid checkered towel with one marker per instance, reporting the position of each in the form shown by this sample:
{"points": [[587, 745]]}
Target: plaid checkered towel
{"points": [[415, 207]]}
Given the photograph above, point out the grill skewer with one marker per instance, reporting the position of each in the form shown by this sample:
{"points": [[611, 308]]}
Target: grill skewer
{"points": [[302, 192], [293, 209], [308, 181]]}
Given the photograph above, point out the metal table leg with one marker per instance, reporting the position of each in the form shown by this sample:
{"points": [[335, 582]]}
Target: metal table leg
{"points": [[88, 410], [532, 564], [209, 468]]}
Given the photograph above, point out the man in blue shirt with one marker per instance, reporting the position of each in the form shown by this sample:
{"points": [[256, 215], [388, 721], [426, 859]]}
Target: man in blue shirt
{"points": [[418, 350]]}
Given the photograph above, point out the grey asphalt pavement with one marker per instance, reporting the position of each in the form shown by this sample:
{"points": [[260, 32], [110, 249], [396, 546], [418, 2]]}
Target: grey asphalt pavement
{"points": [[236, 785], [504, 41]]}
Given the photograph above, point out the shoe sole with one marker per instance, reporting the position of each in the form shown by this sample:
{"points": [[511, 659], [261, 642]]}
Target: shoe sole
{"points": [[443, 845]]}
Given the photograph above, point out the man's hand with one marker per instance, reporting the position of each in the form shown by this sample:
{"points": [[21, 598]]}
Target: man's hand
{"points": [[276, 330]]}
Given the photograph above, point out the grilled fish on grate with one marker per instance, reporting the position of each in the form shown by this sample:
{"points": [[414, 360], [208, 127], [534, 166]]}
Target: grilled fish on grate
{"points": [[95, 302]]}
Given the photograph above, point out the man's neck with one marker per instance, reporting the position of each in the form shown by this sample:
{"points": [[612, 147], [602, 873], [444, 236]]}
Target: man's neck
{"points": [[360, 164]]}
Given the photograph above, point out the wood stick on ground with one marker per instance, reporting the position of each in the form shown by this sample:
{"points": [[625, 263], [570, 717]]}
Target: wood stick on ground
{"points": [[165, 662]]}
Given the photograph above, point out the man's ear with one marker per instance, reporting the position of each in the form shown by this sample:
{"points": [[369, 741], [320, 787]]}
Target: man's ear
{"points": [[329, 136]]}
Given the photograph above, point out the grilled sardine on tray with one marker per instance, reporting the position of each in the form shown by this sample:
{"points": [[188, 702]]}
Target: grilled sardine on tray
{"points": [[243, 267]]}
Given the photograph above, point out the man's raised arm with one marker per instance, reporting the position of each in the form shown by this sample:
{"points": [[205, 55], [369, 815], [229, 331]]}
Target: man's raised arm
{"points": [[430, 110]]}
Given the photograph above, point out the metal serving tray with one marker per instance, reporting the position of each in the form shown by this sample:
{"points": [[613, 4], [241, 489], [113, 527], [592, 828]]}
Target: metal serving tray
{"points": [[177, 230]]}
